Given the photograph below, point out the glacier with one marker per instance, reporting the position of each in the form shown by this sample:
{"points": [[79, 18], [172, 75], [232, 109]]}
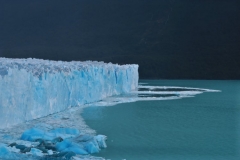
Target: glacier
{"points": [[34, 88], [49, 97]]}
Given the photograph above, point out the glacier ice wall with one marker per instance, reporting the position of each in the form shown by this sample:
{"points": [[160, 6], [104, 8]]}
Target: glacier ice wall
{"points": [[33, 88]]}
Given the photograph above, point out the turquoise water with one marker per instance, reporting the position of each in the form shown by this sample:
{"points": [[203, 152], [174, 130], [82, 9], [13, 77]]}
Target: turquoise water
{"points": [[204, 127]]}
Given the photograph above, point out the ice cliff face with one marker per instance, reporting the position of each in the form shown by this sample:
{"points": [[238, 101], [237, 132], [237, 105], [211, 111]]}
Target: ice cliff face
{"points": [[33, 88]]}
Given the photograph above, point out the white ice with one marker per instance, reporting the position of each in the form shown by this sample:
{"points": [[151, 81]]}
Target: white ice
{"points": [[33, 88]]}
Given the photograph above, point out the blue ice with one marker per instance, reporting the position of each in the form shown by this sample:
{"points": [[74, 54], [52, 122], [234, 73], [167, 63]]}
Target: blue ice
{"points": [[33, 88], [78, 144]]}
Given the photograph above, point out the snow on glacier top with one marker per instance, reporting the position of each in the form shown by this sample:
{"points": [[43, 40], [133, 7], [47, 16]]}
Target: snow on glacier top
{"points": [[38, 66]]}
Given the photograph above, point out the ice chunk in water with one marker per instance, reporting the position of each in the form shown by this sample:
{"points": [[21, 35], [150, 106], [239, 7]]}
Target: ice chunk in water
{"points": [[92, 148], [67, 146], [36, 152], [101, 139], [5, 152], [34, 134], [3, 149]]}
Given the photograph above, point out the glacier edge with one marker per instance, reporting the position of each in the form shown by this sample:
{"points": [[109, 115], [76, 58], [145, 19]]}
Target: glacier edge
{"points": [[33, 88]]}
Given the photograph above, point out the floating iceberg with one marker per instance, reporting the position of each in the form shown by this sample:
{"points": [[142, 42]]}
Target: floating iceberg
{"points": [[33, 88]]}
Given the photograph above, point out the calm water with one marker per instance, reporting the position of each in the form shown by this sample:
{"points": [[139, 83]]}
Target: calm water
{"points": [[204, 127]]}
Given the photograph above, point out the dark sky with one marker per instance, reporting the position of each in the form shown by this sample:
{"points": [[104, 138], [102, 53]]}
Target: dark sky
{"points": [[169, 39]]}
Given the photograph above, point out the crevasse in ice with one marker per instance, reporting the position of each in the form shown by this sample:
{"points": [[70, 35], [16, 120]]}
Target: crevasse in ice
{"points": [[33, 88]]}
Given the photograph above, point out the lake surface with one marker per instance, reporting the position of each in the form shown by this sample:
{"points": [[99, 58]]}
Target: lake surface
{"points": [[206, 126]]}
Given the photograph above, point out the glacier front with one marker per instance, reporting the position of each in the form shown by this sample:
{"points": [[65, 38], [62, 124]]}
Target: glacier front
{"points": [[33, 88]]}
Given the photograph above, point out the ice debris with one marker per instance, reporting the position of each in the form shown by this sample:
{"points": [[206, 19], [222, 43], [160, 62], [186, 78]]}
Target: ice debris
{"points": [[48, 144]]}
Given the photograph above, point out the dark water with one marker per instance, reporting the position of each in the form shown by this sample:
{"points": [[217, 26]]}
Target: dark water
{"points": [[204, 127]]}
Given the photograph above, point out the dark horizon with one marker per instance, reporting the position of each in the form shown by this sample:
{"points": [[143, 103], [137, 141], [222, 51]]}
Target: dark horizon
{"points": [[169, 39]]}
